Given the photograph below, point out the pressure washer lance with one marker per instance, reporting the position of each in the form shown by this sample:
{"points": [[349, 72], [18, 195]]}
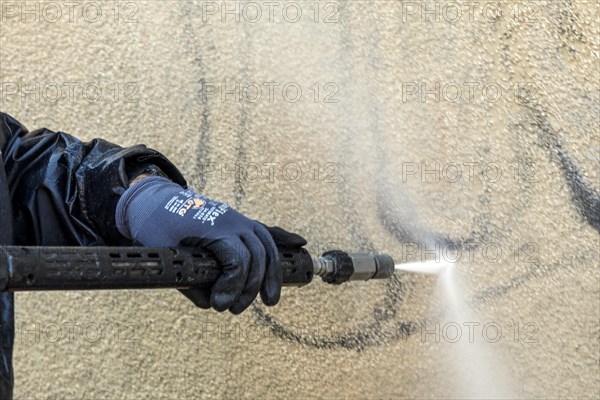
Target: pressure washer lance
{"points": [[91, 268]]}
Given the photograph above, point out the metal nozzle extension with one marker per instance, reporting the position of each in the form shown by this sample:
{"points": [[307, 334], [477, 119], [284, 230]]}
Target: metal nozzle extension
{"points": [[337, 267]]}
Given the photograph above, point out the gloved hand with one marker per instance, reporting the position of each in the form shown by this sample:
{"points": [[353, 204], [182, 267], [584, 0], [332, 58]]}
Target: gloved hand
{"points": [[159, 213], [283, 238]]}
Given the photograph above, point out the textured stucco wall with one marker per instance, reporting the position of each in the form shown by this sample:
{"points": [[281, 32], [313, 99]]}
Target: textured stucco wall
{"points": [[542, 132]]}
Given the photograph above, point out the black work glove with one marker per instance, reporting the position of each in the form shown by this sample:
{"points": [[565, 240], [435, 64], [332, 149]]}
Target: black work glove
{"points": [[158, 212], [283, 238]]}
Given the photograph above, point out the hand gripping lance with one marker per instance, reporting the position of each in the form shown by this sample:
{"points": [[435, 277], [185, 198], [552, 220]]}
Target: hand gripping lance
{"points": [[92, 268]]}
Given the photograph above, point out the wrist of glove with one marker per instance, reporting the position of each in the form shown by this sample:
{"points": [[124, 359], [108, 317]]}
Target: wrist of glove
{"points": [[159, 213]]}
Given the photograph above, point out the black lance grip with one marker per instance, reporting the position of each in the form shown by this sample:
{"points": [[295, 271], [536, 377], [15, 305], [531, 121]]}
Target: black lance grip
{"points": [[89, 268]]}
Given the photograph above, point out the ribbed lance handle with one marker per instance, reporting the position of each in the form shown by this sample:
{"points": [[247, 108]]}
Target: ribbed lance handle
{"points": [[91, 268]]}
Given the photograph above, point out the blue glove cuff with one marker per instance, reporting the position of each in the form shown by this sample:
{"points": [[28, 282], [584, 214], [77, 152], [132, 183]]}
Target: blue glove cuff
{"points": [[148, 194]]}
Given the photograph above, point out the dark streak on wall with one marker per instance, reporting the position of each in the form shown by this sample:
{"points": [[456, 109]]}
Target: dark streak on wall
{"points": [[242, 126], [585, 199], [203, 148]]}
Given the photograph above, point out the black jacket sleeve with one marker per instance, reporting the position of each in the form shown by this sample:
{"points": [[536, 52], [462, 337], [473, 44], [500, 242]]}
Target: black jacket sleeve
{"points": [[64, 191], [7, 309]]}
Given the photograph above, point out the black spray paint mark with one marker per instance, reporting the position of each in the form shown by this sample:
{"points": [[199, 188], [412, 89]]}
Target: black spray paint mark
{"points": [[585, 199], [242, 126], [193, 41], [385, 327]]}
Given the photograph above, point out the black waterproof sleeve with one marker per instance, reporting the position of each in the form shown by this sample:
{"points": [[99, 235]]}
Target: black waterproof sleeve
{"points": [[7, 310], [64, 191]]}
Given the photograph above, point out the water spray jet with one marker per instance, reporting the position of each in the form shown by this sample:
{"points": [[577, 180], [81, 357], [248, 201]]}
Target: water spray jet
{"points": [[431, 267]]}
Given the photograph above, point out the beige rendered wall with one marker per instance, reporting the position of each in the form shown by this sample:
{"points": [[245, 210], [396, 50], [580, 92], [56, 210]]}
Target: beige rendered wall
{"points": [[510, 99]]}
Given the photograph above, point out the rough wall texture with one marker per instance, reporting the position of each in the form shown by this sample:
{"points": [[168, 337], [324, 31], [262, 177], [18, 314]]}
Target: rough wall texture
{"points": [[509, 99]]}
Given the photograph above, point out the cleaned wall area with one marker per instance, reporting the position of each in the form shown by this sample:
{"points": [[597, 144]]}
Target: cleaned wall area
{"points": [[404, 127]]}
